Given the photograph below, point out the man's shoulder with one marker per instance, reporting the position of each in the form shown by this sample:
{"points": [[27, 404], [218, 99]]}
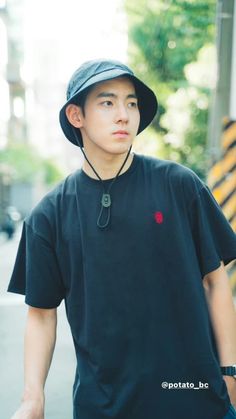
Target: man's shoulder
{"points": [[168, 168], [175, 177], [50, 204], [67, 186]]}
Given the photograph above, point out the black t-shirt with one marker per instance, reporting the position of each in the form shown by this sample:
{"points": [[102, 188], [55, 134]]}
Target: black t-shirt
{"points": [[133, 290]]}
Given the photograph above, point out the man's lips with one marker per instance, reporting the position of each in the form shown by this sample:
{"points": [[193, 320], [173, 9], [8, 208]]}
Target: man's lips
{"points": [[121, 132]]}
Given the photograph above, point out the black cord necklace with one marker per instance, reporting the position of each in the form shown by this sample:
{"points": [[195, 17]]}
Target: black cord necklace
{"points": [[106, 197]]}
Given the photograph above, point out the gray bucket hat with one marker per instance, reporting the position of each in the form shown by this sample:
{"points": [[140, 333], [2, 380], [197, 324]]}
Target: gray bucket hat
{"points": [[96, 71]]}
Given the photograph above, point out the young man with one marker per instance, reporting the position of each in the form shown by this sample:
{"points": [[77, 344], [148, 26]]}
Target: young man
{"points": [[136, 247]]}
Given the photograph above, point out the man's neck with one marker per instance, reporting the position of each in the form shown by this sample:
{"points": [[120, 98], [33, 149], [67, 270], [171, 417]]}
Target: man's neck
{"points": [[107, 168]]}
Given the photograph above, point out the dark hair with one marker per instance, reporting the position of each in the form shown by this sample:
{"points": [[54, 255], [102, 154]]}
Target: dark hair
{"points": [[81, 99]]}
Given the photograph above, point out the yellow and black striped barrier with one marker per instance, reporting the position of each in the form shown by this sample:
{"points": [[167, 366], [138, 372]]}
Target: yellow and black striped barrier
{"points": [[222, 182]]}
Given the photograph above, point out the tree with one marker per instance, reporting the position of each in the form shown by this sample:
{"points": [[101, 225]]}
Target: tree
{"points": [[165, 37], [25, 164]]}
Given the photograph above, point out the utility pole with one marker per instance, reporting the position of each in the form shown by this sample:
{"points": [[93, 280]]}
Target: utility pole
{"points": [[233, 71], [222, 139], [223, 94]]}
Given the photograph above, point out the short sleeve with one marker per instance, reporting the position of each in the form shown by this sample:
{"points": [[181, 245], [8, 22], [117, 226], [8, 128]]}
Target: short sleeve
{"points": [[36, 272], [213, 236]]}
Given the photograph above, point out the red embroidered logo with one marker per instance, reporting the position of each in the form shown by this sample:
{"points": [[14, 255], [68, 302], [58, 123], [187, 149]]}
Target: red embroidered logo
{"points": [[158, 217]]}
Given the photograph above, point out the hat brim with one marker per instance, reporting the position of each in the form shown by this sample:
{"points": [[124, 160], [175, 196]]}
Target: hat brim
{"points": [[147, 103]]}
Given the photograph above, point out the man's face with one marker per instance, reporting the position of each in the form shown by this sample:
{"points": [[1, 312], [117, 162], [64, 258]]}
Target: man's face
{"points": [[111, 118]]}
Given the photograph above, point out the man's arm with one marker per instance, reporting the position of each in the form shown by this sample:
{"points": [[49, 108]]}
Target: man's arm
{"points": [[40, 338], [223, 317]]}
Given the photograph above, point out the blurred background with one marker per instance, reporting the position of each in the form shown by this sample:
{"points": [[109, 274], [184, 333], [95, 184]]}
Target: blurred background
{"points": [[185, 50]]}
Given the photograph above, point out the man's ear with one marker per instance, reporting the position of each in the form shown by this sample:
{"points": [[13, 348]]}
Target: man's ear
{"points": [[74, 115]]}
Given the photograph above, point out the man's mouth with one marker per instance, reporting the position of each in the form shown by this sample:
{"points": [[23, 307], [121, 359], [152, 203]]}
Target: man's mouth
{"points": [[121, 132]]}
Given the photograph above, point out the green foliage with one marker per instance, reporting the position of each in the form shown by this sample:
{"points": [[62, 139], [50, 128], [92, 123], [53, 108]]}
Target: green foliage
{"points": [[52, 174], [165, 36], [24, 164], [192, 152], [22, 161]]}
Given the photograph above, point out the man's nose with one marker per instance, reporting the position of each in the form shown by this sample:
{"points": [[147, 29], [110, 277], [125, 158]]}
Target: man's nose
{"points": [[122, 113]]}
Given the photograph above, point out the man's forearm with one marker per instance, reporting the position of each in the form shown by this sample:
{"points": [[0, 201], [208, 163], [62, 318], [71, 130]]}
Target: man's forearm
{"points": [[223, 314], [40, 338]]}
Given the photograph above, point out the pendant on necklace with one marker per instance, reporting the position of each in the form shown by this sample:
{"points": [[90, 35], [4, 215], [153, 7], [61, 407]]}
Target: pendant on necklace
{"points": [[106, 200]]}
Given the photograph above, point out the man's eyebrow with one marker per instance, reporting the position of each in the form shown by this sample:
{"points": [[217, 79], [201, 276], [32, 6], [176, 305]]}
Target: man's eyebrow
{"points": [[109, 94]]}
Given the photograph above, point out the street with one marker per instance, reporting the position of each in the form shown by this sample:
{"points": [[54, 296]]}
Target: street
{"points": [[13, 314]]}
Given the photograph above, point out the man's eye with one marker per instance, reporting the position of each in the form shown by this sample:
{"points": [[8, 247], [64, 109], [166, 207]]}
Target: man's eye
{"points": [[107, 103], [133, 104]]}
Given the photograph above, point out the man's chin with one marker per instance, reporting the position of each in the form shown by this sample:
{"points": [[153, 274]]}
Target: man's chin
{"points": [[118, 150]]}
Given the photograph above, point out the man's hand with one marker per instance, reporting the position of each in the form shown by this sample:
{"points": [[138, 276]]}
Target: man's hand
{"points": [[30, 409], [231, 387]]}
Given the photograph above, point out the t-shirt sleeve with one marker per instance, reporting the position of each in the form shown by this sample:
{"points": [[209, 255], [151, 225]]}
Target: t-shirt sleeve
{"points": [[213, 236], [36, 272]]}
